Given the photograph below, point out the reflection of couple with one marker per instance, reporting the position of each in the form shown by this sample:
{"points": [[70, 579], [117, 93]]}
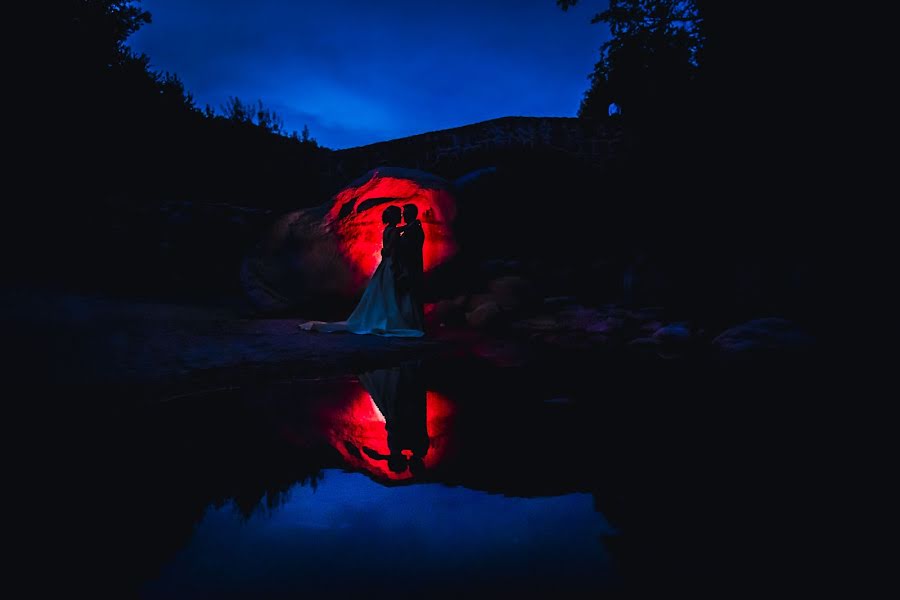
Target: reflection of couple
{"points": [[392, 302], [400, 395]]}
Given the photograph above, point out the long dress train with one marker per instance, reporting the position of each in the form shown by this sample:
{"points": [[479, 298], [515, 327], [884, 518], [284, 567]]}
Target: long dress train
{"points": [[378, 311]]}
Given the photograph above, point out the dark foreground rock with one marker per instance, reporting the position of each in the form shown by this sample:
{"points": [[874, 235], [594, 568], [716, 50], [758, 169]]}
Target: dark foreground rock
{"points": [[763, 335]]}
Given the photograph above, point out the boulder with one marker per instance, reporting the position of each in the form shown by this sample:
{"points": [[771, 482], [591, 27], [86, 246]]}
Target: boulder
{"points": [[673, 340], [484, 316], [608, 325], [513, 292], [582, 318], [650, 327], [328, 253], [673, 333], [476, 300], [447, 312], [763, 335], [594, 321]]}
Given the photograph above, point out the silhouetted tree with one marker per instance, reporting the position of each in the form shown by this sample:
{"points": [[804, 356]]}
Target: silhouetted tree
{"points": [[171, 88], [96, 30], [237, 111], [268, 119], [651, 59], [118, 141], [724, 151]]}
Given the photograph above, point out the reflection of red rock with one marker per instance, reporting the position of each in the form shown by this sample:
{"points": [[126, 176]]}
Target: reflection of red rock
{"points": [[359, 424], [356, 215]]}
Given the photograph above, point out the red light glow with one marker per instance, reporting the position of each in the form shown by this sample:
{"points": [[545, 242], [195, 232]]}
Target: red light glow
{"points": [[360, 424], [359, 231]]}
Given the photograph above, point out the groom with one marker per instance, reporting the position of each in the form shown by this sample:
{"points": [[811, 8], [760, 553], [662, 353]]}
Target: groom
{"points": [[411, 274]]}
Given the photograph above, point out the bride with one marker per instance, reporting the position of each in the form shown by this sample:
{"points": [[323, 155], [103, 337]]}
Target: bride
{"points": [[378, 311]]}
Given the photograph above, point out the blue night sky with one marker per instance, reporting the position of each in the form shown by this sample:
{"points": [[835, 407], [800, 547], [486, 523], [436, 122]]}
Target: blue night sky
{"points": [[358, 71]]}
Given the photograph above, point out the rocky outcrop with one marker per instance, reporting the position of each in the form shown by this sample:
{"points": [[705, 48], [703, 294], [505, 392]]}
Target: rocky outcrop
{"points": [[763, 335], [328, 253]]}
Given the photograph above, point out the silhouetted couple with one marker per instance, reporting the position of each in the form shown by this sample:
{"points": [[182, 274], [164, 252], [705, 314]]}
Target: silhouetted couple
{"points": [[392, 304]]}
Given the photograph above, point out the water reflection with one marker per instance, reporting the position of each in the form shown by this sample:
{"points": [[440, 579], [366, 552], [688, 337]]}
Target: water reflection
{"points": [[353, 530], [392, 428], [253, 488], [400, 397], [353, 536], [421, 478]]}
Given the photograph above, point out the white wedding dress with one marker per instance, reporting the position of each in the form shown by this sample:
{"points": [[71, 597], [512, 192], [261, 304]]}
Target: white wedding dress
{"points": [[378, 311]]}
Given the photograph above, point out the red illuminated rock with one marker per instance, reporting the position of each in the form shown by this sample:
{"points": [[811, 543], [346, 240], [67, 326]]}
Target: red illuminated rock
{"points": [[330, 251]]}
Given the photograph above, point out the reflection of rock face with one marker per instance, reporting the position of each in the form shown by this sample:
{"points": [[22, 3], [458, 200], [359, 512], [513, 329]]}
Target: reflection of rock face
{"points": [[400, 396], [392, 428], [330, 251]]}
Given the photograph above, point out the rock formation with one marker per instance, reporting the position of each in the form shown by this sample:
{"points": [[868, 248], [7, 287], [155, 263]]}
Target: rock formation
{"points": [[328, 252]]}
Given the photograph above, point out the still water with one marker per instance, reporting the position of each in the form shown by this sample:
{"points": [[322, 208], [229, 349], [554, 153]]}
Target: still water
{"points": [[354, 535], [402, 490], [424, 480]]}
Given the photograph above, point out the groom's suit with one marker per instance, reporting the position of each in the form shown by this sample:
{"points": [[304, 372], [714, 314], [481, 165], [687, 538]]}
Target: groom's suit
{"points": [[411, 274]]}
